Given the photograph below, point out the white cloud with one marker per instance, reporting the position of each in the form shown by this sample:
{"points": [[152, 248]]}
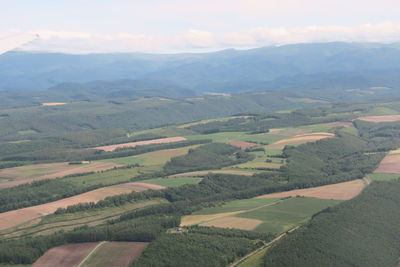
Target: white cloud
{"points": [[201, 39], [80, 42]]}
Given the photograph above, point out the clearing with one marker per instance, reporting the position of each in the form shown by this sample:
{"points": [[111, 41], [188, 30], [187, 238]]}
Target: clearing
{"points": [[16, 217], [30, 173], [141, 143], [340, 191]]}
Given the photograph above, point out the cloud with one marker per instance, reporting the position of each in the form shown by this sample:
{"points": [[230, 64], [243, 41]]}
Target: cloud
{"points": [[198, 40]]}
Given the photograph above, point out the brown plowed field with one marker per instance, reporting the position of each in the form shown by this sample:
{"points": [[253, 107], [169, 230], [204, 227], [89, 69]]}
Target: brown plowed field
{"points": [[201, 173], [341, 191], [288, 131], [234, 222], [52, 104], [16, 217], [113, 254], [385, 118], [338, 124], [30, 173], [142, 143], [242, 145], [65, 256], [300, 139], [390, 164]]}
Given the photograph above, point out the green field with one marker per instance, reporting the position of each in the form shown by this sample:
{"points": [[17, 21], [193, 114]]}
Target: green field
{"points": [[173, 182], [155, 158], [105, 177], [383, 176], [256, 260], [287, 214], [238, 205], [127, 160]]}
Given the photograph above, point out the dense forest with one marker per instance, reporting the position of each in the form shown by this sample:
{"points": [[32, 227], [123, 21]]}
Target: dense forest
{"points": [[359, 232]]}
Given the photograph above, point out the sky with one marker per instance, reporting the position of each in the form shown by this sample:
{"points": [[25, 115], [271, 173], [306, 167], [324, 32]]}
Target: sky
{"points": [[160, 26]]}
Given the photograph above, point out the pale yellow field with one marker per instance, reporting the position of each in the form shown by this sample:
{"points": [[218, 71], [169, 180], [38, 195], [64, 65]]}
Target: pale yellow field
{"points": [[234, 222], [141, 143], [340, 191], [300, 139]]}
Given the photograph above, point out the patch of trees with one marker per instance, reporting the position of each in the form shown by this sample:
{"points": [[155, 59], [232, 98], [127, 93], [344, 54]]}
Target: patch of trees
{"points": [[195, 249], [39, 192], [261, 123], [76, 154], [211, 156], [360, 232]]}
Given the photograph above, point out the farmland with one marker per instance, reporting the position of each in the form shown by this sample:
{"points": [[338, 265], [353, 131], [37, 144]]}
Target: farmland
{"points": [[390, 164], [55, 222], [105, 254], [16, 217], [265, 215], [67, 255], [243, 188], [300, 139], [340, 191], [383, 118], [141, 143], [30, 173]]}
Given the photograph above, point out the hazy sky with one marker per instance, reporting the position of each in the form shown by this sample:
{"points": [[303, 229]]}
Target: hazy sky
{"points": [[176, 25]]}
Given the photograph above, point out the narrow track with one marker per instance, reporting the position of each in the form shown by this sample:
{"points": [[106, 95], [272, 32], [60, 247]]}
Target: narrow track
{"points": [[266, 245]]}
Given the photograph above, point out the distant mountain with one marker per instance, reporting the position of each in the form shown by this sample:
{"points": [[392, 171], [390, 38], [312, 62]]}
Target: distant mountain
{"points": [[290, 67]]}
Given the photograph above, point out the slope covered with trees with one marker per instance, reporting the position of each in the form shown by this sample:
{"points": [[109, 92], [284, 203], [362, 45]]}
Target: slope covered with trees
{"points": [[360, 232]]}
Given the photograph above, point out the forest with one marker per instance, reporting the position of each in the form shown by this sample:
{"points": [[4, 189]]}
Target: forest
{"points": [[359, 232]]}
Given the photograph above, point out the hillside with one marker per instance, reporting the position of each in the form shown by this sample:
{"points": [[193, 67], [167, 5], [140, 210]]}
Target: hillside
{"points": [[223, 71]]}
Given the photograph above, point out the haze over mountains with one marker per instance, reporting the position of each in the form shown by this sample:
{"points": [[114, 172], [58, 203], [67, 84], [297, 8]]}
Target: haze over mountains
{"points": [[300, 67]]}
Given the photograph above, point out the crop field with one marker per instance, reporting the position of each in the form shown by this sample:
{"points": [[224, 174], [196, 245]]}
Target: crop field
{"points": [[203, 173], [234, 222], [30, 173], [384, 118], [105, 178], [68, 221], [115, 254], [264, 215], [17, 217], [340, 191], [242, 144], [261, 161], [287, 214], [390, 164], [52, 104], [300, 139], [383, 176], [141, 143], [152, 158], [173, 182], [65, 256]]}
